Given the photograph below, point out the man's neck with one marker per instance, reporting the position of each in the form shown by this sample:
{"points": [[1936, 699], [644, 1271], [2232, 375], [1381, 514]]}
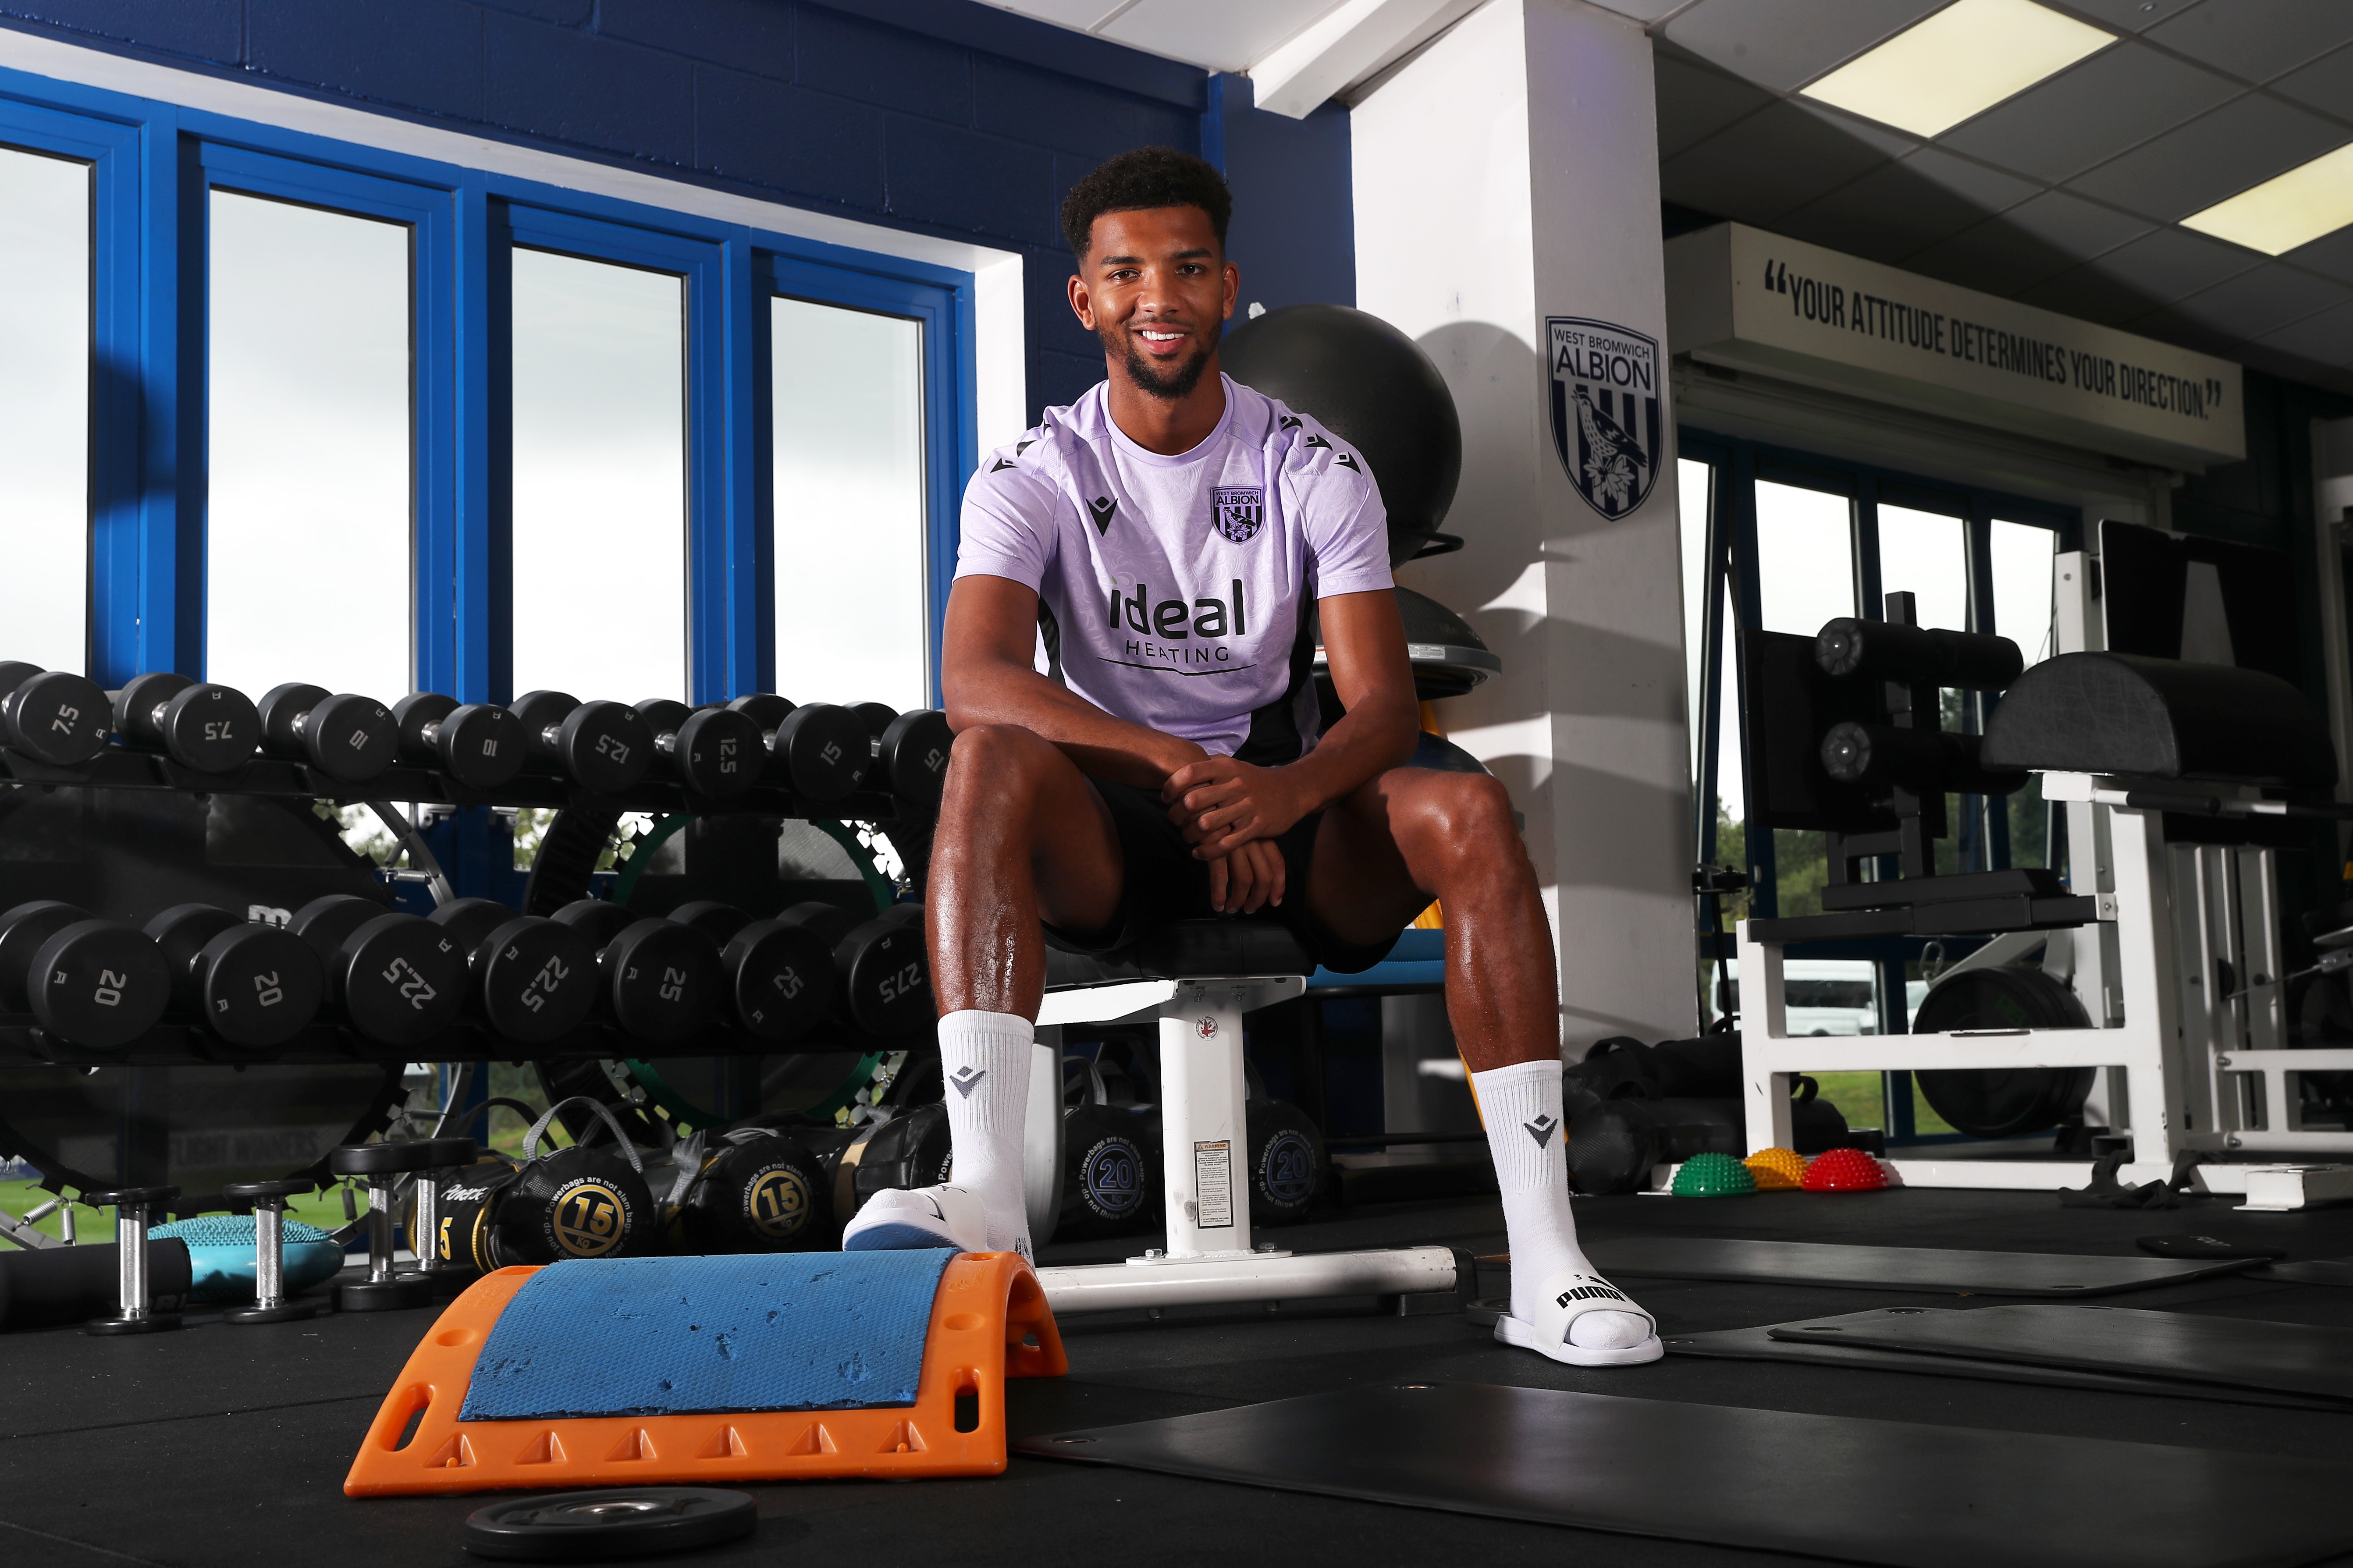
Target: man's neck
{"points": [[1170, 426]]}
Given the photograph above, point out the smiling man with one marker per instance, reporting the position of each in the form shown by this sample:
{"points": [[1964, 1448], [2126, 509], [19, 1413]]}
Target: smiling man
{"points": [[1127, 666]]}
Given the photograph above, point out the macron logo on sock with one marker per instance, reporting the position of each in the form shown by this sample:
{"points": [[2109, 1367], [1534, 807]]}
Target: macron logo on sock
{"points": [[1541, 1129], [967, 1079]]}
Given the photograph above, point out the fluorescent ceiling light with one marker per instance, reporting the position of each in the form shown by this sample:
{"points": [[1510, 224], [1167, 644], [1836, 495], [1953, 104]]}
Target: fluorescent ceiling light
{"points": [[1961, 61], [2287, 210]]}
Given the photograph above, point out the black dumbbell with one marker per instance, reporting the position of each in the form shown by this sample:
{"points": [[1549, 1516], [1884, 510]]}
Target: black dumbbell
{"points": [[536, 981], [819, 752], [440, 1154], [343, 735], [398, 980], [876, 717], [480, 744], [717, 752], [662, 979], [911, 761], [603, 747], [779, 973], [96, 984], [52, 716], [268, 1201], [133, 1207], [209, 728], [253, 985], [885, 980], [382, 1164]]}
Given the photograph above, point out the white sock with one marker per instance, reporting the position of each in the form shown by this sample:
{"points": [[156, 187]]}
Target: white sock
{"points": [[1521, 1105], [985, 1061]]}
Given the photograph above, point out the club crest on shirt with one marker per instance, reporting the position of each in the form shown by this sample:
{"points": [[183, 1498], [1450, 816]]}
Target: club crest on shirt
{"points": [[1238, 512]]}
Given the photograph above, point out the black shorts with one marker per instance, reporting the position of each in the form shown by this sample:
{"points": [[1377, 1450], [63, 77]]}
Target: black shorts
{"points": [[1163, 882]]}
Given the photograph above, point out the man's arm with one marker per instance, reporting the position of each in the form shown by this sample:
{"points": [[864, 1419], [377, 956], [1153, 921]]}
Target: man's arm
{"points": [[988, 676], [1224, 802]]}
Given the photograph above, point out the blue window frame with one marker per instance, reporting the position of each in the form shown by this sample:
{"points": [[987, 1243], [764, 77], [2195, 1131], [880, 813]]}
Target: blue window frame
{"points": [[155, 165]]}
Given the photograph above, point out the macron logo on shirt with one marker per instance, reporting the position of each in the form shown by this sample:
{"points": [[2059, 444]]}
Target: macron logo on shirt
{"points": [[1100, 509]]}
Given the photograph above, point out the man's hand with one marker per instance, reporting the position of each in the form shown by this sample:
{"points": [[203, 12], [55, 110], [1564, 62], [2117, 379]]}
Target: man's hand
{"points": [[1221, 803], [1246, 879]]}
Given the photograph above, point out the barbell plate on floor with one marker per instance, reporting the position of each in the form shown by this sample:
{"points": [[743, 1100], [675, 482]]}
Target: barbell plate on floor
{"points": [[614, 1522]]}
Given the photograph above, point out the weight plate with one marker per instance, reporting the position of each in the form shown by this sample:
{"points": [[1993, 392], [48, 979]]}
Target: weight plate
{"points": [[399, 980], [614, 1522], [714, 920], [381, 1159], [886, 978], [915, 756], [875, 716], [22, 930], [281, 709], [98, 984], [14, 672], [136, 705], [600, 920], [663, 981], [350, 737], [258, 986], [824, 751], [2001, 1103], [764, 708], [780, 978], [58, 718], [211, 729], [482, 745], [536, 980], [718, 753], [604, 747], [662, 715]]}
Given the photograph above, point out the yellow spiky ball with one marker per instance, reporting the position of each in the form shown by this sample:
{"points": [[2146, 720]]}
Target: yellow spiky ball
{"points": [[1776, 1169]]}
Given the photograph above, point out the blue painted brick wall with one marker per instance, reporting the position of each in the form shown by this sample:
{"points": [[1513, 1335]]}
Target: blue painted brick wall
{"points": [[945, 116]]}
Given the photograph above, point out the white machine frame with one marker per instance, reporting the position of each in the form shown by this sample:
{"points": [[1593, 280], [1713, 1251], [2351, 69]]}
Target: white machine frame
{"points": [[1210, 1257], [2181, 977]]}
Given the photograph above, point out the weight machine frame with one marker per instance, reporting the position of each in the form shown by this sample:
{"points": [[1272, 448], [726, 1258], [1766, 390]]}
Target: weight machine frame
{"points": [[2178, 970]]}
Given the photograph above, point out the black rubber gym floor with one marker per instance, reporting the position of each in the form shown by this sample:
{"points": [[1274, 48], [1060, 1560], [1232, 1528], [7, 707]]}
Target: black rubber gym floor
{"points": [[228, 1445]]}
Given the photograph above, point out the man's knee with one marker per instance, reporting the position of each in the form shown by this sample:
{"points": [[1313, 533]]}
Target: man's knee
{"points": [[1466, 819], [996, 772]]}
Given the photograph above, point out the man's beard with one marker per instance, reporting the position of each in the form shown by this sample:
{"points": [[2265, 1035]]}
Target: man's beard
{"points": [[1172, 384]]}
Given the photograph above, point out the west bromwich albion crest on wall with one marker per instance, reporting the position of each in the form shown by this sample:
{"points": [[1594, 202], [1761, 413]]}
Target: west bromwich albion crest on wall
{"points": [[1239, 512], [1606, 420]]}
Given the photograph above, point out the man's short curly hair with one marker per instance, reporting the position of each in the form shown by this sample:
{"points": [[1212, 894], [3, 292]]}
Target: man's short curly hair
{"points": [[1145, 177]]}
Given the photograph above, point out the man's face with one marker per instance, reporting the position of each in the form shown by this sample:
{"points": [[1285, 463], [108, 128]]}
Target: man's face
{"points": [[1157, 288]]}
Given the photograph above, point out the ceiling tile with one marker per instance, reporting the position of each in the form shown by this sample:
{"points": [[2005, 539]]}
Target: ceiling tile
{"points": [[1695, 102], [1897, 209], [2331, 255], [1776, 159], [2036, 240], [1229, 34], [2115, 100], [2326, 84], [2261, 300], [2219, 154], [2256, 39], [2160, 267], [2123, 16], [2326, 337], [1784, 43]]}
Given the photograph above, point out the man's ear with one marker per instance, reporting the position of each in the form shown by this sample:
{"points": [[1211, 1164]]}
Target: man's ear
{"points": [[1084, 308], [1233, 288]]}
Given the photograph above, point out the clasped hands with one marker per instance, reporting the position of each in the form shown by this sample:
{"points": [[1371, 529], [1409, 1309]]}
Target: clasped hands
{"points": [[1232, 812]]}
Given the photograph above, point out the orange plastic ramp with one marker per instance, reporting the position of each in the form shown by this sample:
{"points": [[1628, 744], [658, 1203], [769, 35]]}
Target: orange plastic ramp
{"points": [[989, 1322]]}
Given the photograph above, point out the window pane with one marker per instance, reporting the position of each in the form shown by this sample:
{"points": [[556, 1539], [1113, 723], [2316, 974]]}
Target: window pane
{"points": [[1805, 557], [599, 478], [2021, 586], [852, 610], [307, 531], [1693, 484], [1927, 555], [44, 345]]}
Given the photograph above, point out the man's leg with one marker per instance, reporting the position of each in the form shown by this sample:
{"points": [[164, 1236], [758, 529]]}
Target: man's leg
{"points": [[1022, 837], [1414, 831]]}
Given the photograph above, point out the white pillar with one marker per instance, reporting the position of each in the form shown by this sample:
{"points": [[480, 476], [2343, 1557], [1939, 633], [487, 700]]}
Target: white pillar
{"points": [[1505, 177]]}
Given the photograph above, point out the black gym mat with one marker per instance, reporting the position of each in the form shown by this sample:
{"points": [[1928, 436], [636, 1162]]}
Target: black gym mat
{"points": [[1895, 1267], [2191, 1347], [1914, 1495], [2336, 1271], [1823, 1350]]}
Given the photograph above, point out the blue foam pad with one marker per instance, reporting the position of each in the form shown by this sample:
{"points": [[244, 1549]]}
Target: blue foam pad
{"points": [[682, 1336], [220, 1255]]}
